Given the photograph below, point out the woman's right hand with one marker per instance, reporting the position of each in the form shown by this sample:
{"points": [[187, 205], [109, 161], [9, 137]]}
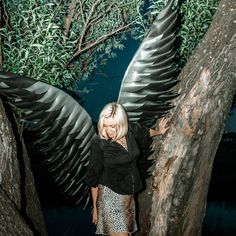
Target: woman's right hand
{"points": [[95, 216]]}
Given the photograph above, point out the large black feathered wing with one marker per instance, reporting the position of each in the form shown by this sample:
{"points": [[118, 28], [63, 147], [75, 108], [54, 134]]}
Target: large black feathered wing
{"points": [[62, 128], [145, 91]]}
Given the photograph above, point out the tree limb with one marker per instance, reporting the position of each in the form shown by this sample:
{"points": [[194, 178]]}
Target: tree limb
{"points": [[86, 25], [68, 19], [97, 42], [81, 46], [81, 3]]}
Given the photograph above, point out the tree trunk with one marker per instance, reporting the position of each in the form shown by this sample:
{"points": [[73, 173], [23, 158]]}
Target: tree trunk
{"points": [[186, 154], [0, 36], [20, 212]]}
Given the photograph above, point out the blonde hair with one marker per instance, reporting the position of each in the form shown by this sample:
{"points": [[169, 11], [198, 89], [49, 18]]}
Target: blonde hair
{"points": [[116, 111]]}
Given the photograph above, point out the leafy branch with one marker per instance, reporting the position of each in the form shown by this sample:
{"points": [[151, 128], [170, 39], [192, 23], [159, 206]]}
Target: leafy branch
{"points": [[92, 20], [63, 41]]}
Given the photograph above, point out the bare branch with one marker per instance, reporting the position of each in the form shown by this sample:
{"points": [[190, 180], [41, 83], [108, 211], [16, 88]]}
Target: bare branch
{"points": [[86, 25], [88, 60], [68, 20], [95, 20], [81, 3], [92, 19], [5, 16], [97, 42]]}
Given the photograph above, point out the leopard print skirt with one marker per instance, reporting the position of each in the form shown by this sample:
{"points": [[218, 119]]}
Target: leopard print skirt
{"points": [[116, 212]]}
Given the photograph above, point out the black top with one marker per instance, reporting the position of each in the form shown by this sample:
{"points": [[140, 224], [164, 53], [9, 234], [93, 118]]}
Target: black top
{"points": [[115, 167]]}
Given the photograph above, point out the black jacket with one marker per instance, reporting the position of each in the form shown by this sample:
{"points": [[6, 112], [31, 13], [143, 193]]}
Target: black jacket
{"points": [[113, 166]]}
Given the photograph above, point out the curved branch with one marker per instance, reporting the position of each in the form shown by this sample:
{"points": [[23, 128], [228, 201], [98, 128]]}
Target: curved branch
{"points": [[81, 3], [83, 43], [86, 25], [97, 42]]}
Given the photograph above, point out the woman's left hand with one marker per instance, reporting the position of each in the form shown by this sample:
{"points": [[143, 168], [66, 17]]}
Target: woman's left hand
{"points": [[162, 126]]}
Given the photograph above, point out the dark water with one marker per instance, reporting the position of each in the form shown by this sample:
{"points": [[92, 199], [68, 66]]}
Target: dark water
{"points": [[64, 221], [220, 219]]}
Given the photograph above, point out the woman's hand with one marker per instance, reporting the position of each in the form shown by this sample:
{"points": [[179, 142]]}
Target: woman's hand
{"points": [[162, 128], [95, 216]]}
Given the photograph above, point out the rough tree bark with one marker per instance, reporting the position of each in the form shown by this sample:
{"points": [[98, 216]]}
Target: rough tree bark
{"points": [[186, 154], [20, 212]]}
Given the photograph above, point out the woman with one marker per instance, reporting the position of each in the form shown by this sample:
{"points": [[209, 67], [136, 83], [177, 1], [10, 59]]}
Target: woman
{"points": [[112, 172]]}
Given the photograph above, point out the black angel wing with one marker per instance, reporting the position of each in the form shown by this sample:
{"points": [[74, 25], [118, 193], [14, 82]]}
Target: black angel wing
{"points": [[61, 126], [145, 91]]}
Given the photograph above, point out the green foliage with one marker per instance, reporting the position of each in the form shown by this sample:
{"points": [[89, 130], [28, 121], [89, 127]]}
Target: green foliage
{"points": [[34, 46], [196, 16], [38, 43], [64, 41]]}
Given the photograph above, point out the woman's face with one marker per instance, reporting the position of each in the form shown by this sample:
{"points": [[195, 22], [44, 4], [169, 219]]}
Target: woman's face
{"points": [[109, 126]]}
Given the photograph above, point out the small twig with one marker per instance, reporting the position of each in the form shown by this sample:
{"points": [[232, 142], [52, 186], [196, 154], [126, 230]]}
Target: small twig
{"points": [[86, 61], [96, 19], [85, 28], [81, 3]]}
